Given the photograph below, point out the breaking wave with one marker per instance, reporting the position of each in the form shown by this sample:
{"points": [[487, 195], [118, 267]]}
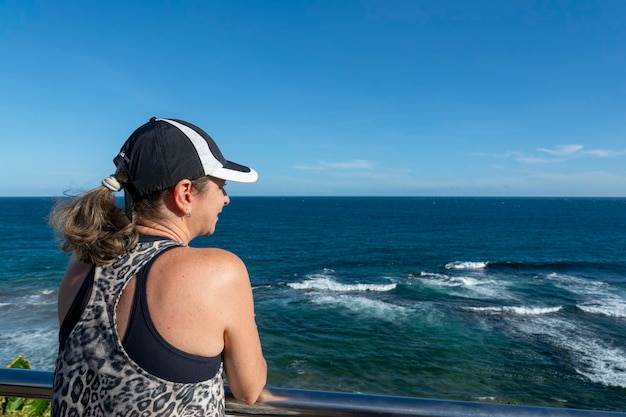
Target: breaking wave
{"points": [[364, 306], [596, 297], [515, 310], [324, 283], [466, 265]]}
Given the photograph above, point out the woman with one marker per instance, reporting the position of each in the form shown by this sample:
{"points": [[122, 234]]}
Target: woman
{"points": [[148, 323]]}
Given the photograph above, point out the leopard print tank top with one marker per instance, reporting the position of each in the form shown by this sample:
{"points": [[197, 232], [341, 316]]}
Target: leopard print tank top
{"points": [[95, 377]]}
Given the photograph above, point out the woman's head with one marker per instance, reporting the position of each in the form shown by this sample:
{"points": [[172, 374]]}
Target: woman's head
{"points": [[156, 157]]}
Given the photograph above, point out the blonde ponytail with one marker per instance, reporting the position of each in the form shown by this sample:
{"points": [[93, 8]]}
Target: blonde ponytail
{"points": [[92, 227]]}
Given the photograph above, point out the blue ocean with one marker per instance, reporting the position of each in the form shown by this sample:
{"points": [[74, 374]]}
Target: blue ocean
{"points": [[506, 300]]}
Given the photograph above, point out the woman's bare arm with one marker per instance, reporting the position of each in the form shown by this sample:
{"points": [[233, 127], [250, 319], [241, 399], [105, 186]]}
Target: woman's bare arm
{"points": [[201, 302], [244, 363]]}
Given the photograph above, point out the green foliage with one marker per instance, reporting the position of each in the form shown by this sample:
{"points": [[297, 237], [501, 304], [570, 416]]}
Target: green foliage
{"points": [[23, 407]]}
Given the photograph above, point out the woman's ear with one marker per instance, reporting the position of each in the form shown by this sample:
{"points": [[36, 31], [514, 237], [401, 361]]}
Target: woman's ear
{"points": [[182, 195]]}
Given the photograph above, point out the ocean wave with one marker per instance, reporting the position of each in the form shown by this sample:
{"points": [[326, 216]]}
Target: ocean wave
{"points": [[573, 282], [487, 398], [35, 344], [597, 297], [610, 306], [449, 280], [466, 286], [534, 265], [262, 287], [466, 265], [324, 283], [589, 356], [41, 299], [515, 310], [364, 306], [600, 363]]}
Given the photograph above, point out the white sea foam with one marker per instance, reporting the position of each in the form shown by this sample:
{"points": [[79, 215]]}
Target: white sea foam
{"points": [[466, 265], [515, 310], [610, 306], [573, 282], [449, 280], [39, 299], [595, 359], [37, 345], [324, 283], [489, 398], [597, 297], [601, 363], [467, 286], [364, 306], [262, 287], [299, 365], [324, 289]]}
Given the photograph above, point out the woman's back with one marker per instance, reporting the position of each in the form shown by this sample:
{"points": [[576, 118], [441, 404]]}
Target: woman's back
{"points": [[95, 376]]}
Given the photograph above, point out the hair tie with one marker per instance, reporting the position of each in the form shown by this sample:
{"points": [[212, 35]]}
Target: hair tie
{"points": [[112, 184]]}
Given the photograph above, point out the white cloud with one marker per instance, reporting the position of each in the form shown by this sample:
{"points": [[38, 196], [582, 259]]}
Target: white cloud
{"points": [[558, 154], [562, 150]]}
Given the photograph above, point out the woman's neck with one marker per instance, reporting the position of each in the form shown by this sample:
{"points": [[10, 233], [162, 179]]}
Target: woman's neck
{"points": [[158, 229]]}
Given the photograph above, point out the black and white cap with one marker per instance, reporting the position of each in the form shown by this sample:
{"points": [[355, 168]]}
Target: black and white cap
{"points": [[164, 151]]}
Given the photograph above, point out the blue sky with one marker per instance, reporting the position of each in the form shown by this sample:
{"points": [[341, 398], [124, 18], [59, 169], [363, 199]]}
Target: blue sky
{"points": [[332, 97]]}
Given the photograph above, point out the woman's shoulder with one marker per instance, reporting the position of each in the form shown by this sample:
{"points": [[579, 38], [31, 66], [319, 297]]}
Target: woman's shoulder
{"points": [[208, 256], [205, 280], [198, 263]]}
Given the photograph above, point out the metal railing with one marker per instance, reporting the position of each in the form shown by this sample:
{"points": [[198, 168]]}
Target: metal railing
{"points": [[291, 402]]}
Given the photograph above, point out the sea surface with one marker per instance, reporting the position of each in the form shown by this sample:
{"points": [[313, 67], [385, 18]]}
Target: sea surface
{"points": [[507, 300]]}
